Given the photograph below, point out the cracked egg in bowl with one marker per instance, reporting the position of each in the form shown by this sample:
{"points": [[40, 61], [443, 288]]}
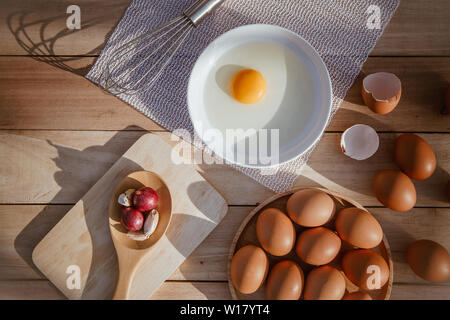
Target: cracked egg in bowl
{"points": [[259, 96]]}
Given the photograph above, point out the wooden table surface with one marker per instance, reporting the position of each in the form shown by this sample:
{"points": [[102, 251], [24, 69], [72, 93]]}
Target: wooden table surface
{"points": [[59, 134]]}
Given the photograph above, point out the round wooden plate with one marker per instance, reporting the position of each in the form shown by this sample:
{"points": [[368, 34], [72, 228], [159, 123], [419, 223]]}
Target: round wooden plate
{"points": [[246, 234]]}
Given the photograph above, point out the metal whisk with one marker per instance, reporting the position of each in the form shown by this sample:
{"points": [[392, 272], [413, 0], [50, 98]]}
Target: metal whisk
{"points": [[137, 64]]}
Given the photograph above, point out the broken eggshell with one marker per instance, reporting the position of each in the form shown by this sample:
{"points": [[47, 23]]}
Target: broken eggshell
{"points": [[381, 92], [126, 198], [360, 142]]}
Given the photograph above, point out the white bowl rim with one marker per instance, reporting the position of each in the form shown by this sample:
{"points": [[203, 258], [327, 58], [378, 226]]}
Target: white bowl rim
{"points": [[322, 72]]}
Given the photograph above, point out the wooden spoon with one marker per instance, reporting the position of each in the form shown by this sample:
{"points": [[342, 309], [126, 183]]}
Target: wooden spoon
{"points": [[130, 252]]}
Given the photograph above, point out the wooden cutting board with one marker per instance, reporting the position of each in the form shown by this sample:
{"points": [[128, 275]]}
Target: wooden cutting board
{"points": [[82, 238]]}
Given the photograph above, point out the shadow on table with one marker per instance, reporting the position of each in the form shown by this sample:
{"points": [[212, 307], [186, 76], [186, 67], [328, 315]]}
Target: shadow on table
{"points": [[34, 31], [73, 163], [433, 100]]}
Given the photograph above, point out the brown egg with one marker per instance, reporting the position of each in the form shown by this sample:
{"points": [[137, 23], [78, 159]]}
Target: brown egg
{"points": [[318, 246], [381, 92], [285, 281], [366, 269], [359, 228], [275, 232], [395, 190], [357, 295], [249, 268], [310, 207], [414, 156], [324, 283], [429, 260]]}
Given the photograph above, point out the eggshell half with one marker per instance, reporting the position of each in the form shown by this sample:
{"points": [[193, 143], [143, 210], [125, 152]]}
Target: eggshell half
{"points": [[360, 142], [285, 281], [429, 260], [414, 156], [249, 268], [381, 92], [395, 190]]}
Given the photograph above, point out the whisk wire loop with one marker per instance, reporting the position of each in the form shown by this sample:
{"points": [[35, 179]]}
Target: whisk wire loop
{"points": [[137, 64]]}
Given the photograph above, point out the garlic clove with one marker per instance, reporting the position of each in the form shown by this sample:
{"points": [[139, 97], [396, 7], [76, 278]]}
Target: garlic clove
{"points": [[137, 235], [151, 222], [126, 198]]}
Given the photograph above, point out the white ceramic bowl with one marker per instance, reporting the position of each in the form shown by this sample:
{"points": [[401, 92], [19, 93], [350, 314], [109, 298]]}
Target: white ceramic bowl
{"points": [[306, 135]]}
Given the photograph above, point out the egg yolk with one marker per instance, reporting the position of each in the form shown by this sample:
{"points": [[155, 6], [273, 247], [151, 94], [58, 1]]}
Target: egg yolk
{"points": [[248, 86]]}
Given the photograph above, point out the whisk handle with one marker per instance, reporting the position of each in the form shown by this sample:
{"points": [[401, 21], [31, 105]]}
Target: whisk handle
{"points": [[201, 9]]}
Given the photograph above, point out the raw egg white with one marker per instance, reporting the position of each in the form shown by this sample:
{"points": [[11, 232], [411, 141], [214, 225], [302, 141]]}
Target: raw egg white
{"points": [[260, 85]]}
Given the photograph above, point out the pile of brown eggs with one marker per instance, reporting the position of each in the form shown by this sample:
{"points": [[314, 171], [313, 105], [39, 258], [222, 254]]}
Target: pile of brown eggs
{"points": [[416, 159], [381, 92], [318, 245]]}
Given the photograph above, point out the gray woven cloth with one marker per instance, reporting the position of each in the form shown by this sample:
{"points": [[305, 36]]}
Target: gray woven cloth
{"points": [[337, 29]]}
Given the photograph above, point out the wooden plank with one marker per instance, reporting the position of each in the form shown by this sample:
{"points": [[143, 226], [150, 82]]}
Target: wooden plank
{"points": [[424, 81], [39, 27], [29, 290], [417, 28], [26, 225], [193, 290], [35, 95], [58, 167], [23, 227], [209, 260], [43, 169], [354, 178], [44, 290], [420, 292]]}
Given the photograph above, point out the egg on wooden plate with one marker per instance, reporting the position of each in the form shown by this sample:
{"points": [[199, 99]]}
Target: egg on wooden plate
{"points": [[359, 228], [285, 281], [324, 283], [275, 232], [310, 207], [249, 268], [357, 295], [318, 246], [366, 269]]}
